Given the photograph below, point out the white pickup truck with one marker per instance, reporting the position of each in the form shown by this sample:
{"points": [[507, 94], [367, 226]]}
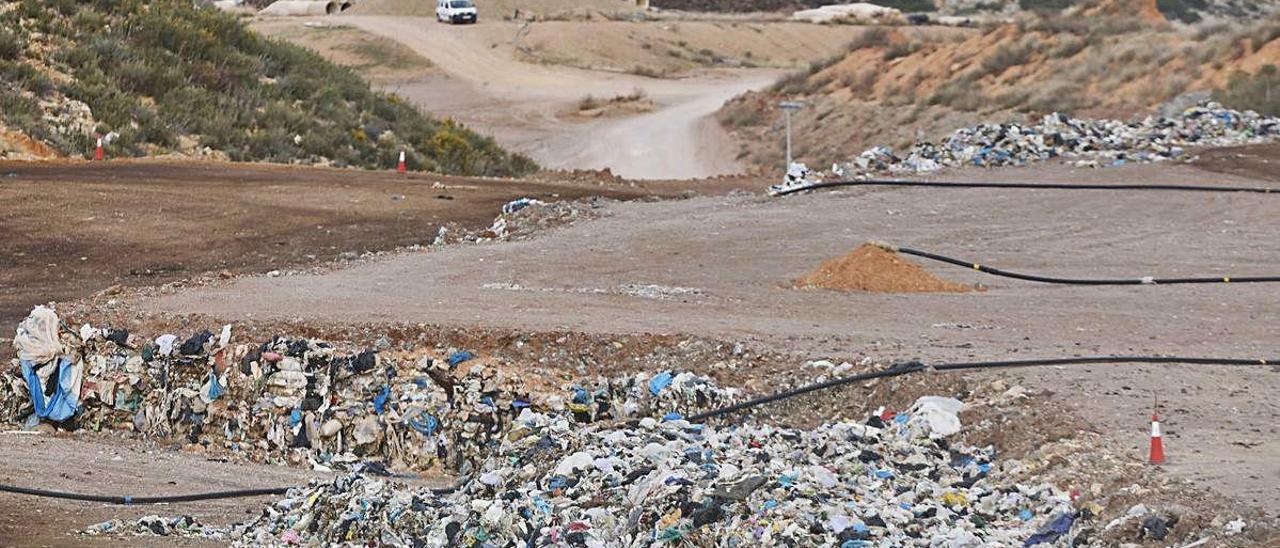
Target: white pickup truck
{"points": [[456, 11]]}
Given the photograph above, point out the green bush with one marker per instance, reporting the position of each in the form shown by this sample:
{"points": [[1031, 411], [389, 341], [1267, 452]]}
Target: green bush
{"points": [[1181, 10], [1005, 58], [1259, 91], [11, 45]]}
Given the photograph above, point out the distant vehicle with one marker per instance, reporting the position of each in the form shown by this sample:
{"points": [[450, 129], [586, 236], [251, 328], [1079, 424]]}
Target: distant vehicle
{"points": [[456, 11]]}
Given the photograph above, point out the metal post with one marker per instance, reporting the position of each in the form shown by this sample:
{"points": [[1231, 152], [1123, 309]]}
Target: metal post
{"points": [[788, 111], [787, 107]]}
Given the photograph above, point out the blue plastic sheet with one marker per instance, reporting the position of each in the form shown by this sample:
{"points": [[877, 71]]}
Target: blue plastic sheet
{"points": [[215, 387], [62, 404], [659, 382], [1052, 531], [424, 423], [380, 401], [459, 357]]}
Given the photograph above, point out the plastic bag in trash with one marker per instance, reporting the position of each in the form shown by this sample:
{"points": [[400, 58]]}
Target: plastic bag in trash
{"points": [[37, 338]]}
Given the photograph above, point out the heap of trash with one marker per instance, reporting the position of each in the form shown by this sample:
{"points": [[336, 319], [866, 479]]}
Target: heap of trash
{"points": [[1092, 142], [304, 401], [522, 217], [890, 480]]}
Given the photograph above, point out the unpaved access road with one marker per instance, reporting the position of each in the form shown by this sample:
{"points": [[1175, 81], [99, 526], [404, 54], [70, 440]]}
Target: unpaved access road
{"points": [[70, 229], [735, 257], [521, 104]]}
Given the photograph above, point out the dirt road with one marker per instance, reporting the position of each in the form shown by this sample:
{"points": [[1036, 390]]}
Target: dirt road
{"points": [[735, 258], [101, 465], [72, 229], [520, 104]]}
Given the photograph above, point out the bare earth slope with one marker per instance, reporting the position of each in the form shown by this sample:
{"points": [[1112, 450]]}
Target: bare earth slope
{"points": [[735, 259]]}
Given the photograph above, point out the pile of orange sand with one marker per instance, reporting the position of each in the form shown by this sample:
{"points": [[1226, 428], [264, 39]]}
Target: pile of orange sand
{"points": [[874, 269]]}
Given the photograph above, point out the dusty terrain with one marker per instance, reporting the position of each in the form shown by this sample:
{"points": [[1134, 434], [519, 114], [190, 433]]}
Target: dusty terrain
{"points": [[740, 254], [897, 89], [491, 91], [378, 59], [694, 275], [150, 222], [511, 81], [105, 466]]}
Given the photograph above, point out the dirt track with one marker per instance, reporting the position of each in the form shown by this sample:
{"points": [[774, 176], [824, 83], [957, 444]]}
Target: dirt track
{"points": [[72, 229], [740, 255], [518, 103]]}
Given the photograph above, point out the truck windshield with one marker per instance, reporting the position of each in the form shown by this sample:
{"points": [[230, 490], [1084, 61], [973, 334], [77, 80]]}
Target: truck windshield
{"points": [[461, 4]]}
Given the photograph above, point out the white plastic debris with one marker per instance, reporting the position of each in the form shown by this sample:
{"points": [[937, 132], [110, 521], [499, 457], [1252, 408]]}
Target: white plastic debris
{"points": [[37, 337], [940, 415]]}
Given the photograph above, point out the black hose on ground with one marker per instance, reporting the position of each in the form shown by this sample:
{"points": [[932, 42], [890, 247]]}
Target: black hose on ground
{"points": [[126, 499], [167, 499], [1033, 186], [896, 370], [1076, 281], [912, 367]]}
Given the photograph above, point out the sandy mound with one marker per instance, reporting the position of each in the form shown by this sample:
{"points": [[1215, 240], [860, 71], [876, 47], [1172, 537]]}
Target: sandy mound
{"points": [[870, 268]]}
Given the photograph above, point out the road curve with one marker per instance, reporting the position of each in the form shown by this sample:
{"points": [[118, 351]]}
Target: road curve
{"points": [[517, 103]]}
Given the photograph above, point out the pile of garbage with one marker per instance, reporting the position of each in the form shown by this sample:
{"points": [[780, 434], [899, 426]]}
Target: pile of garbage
{"points": [[304, 401], [1094, 142], [891, 480], [521, 218]]}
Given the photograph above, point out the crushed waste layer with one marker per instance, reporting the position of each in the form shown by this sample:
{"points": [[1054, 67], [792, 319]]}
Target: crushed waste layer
{"points": [[892, 480], [299, 400]]}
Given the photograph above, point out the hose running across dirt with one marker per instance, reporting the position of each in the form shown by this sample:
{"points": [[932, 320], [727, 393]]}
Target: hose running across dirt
{"points": [[126, 499], [1033, 186], [1076, 281], [896, 370], [912, 367], [167, 499]]}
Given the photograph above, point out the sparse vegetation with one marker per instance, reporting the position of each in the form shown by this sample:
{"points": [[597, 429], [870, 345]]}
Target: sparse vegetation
{"points": [[1082, 65], [1006, 57], [1182, 10], [1259, 91], [154, 71]]}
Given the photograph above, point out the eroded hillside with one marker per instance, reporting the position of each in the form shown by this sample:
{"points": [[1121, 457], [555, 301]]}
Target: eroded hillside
{"points": [[891, 90]]}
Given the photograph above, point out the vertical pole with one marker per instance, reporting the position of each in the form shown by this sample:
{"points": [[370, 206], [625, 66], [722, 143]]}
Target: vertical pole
{"points": [[787, 168]]}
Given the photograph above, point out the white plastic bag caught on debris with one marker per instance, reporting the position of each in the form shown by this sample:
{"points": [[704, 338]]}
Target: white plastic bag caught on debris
{"points": [[798, 176], [939, 415], [37, 338]]}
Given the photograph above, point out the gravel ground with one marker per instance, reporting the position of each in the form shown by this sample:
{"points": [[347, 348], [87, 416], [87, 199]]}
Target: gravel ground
{"points": [[724, 266]]}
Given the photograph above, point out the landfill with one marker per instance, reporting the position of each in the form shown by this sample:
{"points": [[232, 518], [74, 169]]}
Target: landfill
{"points": [[522, 217], [1089, 142], [891, 480], [304, 401]]}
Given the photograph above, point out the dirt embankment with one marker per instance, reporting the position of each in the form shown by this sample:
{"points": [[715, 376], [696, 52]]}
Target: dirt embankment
{"points": [[73, 229], [890, 89]]}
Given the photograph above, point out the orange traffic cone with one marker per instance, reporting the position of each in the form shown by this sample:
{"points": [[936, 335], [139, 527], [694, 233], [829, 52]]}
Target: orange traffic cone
{"points": [[1157, 441], [401, 167], [98, 154]]}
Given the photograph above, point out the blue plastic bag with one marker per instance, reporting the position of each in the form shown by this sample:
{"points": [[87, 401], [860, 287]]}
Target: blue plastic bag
{"points": [[64, 401], [659, 382]]}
